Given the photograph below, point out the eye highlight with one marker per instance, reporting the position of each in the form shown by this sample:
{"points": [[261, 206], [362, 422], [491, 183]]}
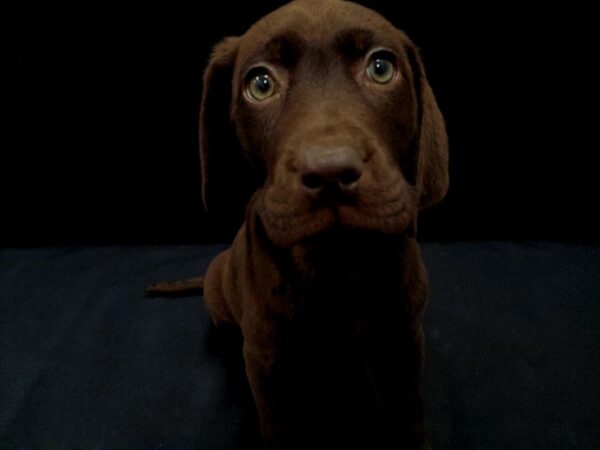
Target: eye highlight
{"points": [[260, 85], [381, 68]]}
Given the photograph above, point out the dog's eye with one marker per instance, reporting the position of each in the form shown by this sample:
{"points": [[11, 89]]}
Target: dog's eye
{"points": [[381, 69], [260, 86]]}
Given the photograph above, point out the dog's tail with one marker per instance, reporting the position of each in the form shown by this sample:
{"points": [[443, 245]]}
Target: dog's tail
{"points": [[184, 288]]}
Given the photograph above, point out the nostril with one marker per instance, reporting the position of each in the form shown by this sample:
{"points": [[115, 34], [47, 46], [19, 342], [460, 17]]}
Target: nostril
{"points": [[312, 181], [349, 176], [329, 172]]}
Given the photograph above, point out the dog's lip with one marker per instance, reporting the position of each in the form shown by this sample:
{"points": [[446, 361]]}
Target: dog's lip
{"points": [[333, 217], [354, 216], [288, 230]]}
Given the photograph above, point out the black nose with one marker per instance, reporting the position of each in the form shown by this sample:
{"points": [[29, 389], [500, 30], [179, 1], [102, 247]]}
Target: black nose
{"points": [[335, 169]]}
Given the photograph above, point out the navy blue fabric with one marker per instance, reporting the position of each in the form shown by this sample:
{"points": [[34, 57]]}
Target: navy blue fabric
{"points": [[513, 350]]}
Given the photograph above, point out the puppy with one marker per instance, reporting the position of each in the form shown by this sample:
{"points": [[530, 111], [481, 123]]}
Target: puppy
{"points": [[325, 106]]}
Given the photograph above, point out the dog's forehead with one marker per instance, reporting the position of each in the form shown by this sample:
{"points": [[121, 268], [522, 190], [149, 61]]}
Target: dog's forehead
{"points": [[318, 22]]}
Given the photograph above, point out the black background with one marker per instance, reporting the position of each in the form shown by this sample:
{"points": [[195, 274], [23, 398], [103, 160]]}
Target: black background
{"points": [[98, 145], [99, 136]]}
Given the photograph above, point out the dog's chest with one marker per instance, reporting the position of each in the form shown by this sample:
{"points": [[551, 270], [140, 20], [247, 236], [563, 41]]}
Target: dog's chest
{"points": [[327, 356], [339, 310], [340, 293]]}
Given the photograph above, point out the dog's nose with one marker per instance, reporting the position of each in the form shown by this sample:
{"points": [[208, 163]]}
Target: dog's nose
{"points": [[335, 169]]}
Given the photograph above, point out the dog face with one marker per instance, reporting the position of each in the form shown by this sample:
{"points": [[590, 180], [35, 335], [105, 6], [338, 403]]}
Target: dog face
{"points": [[331, 111]]}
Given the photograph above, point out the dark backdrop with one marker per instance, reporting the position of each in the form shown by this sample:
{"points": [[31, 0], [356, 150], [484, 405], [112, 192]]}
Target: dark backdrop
{"points": [[99, 136]]}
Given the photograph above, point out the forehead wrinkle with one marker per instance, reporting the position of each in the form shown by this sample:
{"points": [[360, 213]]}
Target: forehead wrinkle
{"points": [[272, 28], [283, 48], [354, 41], [307, 25], [288, 47]]}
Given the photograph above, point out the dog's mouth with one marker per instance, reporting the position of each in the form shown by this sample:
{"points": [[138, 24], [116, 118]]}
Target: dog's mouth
{"points": [[286, 230]]}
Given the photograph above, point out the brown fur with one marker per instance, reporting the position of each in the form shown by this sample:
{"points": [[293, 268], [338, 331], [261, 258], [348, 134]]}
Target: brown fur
{"points": [[328, 297]]}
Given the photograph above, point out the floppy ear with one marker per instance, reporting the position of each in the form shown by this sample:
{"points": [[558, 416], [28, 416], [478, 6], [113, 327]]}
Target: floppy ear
{"points": [[432, 140], [226, 174]]}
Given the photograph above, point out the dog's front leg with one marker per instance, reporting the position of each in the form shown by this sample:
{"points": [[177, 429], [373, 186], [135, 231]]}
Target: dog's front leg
{"points": [[397, 362], [274, 423]]}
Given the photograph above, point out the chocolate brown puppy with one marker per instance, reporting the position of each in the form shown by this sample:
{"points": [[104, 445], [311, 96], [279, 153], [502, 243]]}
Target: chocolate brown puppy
{"points": [[329, 106]]}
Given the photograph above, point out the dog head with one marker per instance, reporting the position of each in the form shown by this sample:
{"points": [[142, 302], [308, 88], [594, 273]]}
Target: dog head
{"points": [[325, 106]]}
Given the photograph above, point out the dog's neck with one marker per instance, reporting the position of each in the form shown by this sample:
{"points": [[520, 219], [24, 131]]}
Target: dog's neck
{"points": [[339, 257], [346, 253], [340, 275], [337, 277]]}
